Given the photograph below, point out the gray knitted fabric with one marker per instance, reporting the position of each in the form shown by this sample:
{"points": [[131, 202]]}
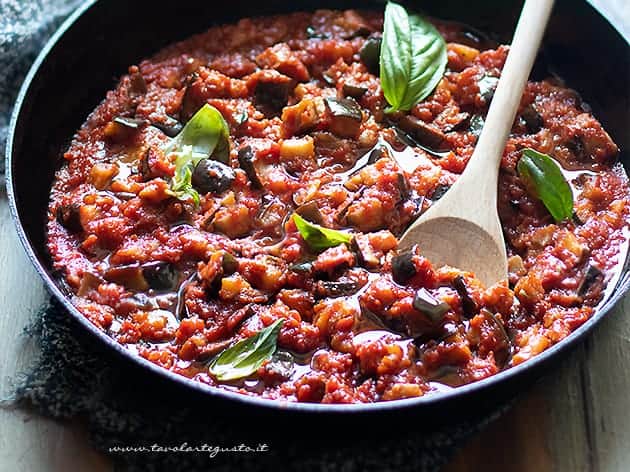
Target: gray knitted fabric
{"points": [[122, 407]]}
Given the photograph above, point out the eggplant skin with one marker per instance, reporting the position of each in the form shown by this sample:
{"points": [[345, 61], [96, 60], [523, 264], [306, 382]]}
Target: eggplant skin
{"points": [[68, 217], [468, 304], [272, 96], [403, 268], [424, 134], [246, 161], [160, 275], [212, 176], [370, 54], [345, 116]]}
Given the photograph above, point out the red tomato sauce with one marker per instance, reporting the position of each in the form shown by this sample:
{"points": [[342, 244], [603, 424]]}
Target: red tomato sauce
{"points": [[150, 269]]}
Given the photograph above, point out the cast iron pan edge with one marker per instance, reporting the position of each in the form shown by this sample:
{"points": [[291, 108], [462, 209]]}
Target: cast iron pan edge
{"points": [[485, 391]]}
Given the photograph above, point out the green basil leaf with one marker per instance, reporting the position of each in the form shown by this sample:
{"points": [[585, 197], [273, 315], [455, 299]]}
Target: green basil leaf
{"points": [[206, 132], [413, 58], [395, 60], [181, 183], [246, 356], [317, 237], [543, 177]]}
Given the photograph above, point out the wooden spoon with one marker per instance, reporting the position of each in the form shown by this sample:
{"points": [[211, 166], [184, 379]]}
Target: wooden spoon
{"points": [[462, 229]]}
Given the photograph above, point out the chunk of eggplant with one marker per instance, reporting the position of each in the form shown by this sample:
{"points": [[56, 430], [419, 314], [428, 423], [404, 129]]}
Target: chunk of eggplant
{"points": [[487, 86], [305, 267], [362, 31], [302, 117], [271, 215], [328, 79], [346, 116], [426, 303], [377, 153], [424, 134], [181, 309], [502, 354], [403, 267], [476, 124], [272, 96], [246, 159], [152, 275], [326, 289], [190, 103], [461, 121], [592, 278], [353, 90], [229, 264], [370, 55], [131, 123], [171, 127], [144, 164], [312, 33], [575, 217], [68, 216], [89, 282], [403, 186], [125, 196], [160, 275], [122, 128], [370, 157], [366, 254], [221, 264], [137, 84], [129, 276], [533, 121], [211, 176], [469, 306], [310, 211], [418, 203]]}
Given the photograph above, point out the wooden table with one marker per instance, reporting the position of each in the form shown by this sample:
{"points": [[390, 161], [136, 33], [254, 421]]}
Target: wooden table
{"points": [[577, 419]]}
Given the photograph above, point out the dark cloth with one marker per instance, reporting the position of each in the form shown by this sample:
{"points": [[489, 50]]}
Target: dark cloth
{"points": [[123, 406]]}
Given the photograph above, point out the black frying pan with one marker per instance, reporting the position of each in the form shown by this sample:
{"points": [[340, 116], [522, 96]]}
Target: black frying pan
{"points": [[99, 41]]}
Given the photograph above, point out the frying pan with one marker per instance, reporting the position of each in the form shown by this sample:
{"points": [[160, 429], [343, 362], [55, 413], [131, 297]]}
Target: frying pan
{"points": [[103, 37]]}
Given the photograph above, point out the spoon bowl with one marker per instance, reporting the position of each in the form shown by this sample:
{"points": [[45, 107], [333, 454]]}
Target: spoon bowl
{"points": [[461, 243]]}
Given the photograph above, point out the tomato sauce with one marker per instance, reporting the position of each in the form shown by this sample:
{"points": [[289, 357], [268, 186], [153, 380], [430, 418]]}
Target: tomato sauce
{"points": [[178, 283]]}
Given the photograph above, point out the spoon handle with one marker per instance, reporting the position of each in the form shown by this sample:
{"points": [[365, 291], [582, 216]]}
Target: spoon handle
{"points": [[486, 158]]}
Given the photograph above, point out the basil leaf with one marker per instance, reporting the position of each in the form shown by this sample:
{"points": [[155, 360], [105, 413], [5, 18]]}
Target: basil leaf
{"points": [[317, 237], [206, 132], [413, 58], [181, 183], [246, 356], [543, 178]]}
